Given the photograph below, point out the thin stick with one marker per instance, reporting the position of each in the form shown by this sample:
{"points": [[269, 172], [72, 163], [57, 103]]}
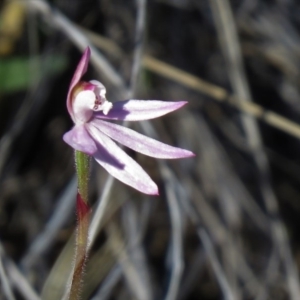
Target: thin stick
{"points": [[134, 233], [176, 246], [207, 244], [18, 280], [108, 284], [100, 210], [221, 95], [57, 19], [120, 250], [139, 43], [80, 39], [7, 290], [45, 239], [230, 45]]}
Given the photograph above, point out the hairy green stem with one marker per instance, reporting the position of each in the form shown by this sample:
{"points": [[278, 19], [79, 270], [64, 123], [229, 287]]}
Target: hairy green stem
{"points": [[83, 219], [83, 170]]}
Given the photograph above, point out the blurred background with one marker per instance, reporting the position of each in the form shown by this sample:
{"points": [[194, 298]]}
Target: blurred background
{"points": [[226, 223]]}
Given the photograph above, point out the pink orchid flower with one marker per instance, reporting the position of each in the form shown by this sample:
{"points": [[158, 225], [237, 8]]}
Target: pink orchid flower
{"points": [[88, 108]]}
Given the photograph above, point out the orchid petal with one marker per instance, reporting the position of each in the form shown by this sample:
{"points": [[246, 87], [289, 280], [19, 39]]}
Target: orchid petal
{"points": [[80, 71], [140, 143], [138, 110], [79, 139], [128, 171]]}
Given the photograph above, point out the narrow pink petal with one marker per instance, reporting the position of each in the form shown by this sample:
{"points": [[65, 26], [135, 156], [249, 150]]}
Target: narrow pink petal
{"points": [[120, 165], [79, 139], [139, 142], [138, 110], [80, 70]]}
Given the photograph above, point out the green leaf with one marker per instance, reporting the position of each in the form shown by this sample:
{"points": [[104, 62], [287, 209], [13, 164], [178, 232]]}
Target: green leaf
{"points": [[18, 73]]}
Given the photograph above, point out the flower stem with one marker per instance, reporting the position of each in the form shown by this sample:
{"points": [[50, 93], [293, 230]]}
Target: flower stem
{"points": [[83, 218], [83, 170]]}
